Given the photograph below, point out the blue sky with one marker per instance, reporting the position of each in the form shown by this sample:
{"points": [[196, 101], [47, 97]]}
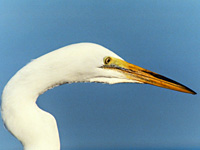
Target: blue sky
{"points": [[162, 36]]}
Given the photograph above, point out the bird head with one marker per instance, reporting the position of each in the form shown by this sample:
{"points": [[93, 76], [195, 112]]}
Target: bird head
{"points": [[96, 63]]}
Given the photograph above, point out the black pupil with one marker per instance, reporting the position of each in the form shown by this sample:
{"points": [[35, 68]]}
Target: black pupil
{"points": [[107, 60]]}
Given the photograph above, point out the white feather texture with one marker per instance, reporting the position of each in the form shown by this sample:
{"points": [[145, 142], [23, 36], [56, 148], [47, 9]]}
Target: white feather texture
{"points": [[35, 128], [84, 62]]}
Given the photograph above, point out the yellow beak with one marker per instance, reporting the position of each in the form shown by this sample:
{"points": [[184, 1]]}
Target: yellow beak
{"points": [[142, 75]]}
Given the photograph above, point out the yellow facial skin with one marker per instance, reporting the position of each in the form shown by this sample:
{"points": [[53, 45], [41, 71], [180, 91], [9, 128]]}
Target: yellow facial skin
{"points": [[142, 75]]}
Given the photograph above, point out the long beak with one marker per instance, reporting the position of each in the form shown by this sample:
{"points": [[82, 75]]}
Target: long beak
{"points": [[142, 75]]}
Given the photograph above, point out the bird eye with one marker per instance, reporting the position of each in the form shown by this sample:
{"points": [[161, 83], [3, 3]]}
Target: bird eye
{"points": [[107, 60]]}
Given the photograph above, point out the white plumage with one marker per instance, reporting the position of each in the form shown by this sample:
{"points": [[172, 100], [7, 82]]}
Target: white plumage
{"points": [[84, 62]]}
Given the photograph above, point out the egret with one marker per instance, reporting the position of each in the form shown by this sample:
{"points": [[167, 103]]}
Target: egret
{"points": [[82, 62]]}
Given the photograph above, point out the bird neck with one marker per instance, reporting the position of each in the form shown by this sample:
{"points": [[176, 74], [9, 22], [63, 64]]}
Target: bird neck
{"points": [[33, 127]]}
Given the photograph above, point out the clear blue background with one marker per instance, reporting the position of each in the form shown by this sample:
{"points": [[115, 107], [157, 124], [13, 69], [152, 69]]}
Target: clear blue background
{"points": [[162, 36]]}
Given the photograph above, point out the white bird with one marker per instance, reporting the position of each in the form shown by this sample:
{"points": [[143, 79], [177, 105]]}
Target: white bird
{"points": [[83, 62]]}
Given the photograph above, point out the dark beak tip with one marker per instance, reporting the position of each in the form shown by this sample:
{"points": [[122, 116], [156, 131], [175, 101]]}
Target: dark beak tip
{"points": [[194, 93]]}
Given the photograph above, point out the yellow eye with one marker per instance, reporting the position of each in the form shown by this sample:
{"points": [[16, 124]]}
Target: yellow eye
{"points": [[107, 60]]}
